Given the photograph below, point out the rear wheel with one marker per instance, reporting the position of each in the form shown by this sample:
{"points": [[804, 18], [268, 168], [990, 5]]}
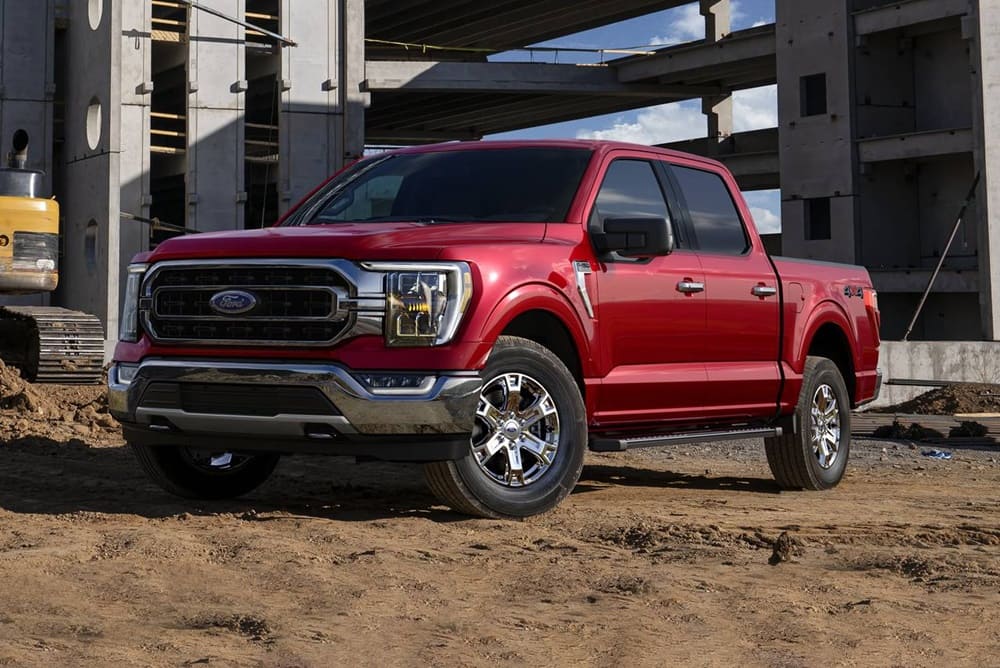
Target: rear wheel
{"points": [[529, 438], [203, 474], [815, 457]]}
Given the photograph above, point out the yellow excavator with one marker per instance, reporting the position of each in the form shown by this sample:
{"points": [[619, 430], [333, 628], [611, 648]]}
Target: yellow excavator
{"points": [[47, 343]]}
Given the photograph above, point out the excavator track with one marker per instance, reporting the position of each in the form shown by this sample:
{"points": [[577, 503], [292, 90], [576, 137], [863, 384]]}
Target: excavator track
{"points": [[52, 345]]}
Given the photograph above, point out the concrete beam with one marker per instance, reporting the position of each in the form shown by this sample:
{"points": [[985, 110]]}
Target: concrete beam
{"points": [[673, 63], [916, 145], [752, 164], [406, 137], [915, 280], [903, 14], [502, 77], [499, 24]]}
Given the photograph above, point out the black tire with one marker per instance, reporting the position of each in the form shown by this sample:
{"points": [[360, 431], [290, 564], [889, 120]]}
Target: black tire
{"points": [[795, 458], [178, 471], [473, 484]]}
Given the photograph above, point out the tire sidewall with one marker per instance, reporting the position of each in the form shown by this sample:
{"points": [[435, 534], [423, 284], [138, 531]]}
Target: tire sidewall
{"points": [[561, 477], [186, 479], [825, 373]]}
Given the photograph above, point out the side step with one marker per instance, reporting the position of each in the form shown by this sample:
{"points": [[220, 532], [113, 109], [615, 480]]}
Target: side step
{"points": [[623, 444]]}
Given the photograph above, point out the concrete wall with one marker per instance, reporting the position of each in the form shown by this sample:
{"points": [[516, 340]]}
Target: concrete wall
{"points": [[817, 151], [972, 362], [217, 73], [134, 162], [322, 108], [985, 48], [92, 171]]}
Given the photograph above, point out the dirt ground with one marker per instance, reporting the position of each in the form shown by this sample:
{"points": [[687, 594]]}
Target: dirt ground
{"points": [[658, 557], [962, 398]]}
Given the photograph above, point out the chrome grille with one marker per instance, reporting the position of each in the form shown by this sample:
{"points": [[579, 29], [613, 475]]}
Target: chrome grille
{"points": [[294, 305]]}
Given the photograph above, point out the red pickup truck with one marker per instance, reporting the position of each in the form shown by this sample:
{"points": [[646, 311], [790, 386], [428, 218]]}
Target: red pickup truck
{"points": [[492, 310]]}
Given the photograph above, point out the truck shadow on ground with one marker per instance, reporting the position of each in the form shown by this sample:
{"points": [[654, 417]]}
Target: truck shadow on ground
{"points": [[44, 476], [641, 477]]}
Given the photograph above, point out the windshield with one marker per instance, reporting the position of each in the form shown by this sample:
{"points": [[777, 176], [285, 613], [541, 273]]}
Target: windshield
{"points": [[533, 185]]}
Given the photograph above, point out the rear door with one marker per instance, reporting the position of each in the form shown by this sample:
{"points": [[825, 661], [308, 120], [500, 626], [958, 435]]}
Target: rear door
{"points": [[651, 313], [742, 296]]}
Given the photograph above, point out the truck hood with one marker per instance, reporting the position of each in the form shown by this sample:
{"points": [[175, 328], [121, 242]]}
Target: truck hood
{"points": [[352, 241]]}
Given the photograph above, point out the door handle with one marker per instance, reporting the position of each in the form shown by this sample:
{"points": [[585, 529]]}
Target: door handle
{"points": [[764, 291], [690, 287]]}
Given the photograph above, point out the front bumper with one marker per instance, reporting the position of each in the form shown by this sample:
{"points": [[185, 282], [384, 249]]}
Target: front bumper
{"points": [[426, 423]]}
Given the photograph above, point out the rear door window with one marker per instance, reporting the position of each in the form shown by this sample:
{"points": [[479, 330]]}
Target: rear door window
{"points": [[714, 217]]}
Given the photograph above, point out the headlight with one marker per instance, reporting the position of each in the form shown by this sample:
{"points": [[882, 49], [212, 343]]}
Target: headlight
{"points": [[128, 326], [424, 302]]}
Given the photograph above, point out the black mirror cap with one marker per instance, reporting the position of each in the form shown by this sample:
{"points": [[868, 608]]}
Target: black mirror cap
{"points": [[635, 237]]}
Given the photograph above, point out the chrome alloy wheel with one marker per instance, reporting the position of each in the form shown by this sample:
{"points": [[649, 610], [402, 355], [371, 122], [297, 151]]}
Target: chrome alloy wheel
{"points": [[825, 426], [516, 437]]}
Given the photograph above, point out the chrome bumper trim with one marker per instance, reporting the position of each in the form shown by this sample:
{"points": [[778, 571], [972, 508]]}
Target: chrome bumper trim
{"points": [[445, 406]]}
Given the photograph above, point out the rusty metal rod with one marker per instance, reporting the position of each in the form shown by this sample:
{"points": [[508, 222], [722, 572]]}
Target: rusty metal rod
{"points": [[226, 17], [937, 270]]}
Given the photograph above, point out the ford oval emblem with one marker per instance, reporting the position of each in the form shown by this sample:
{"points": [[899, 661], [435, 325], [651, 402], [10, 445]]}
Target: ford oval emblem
{"points": [[232, 302]]}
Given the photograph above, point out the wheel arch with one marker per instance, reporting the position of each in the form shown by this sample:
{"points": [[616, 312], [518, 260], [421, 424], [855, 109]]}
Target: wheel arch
{"points": [[829, 339], [543, 315]]}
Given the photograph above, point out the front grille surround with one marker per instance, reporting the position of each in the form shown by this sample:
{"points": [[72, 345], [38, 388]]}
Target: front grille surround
{"points": [[302, 303]]}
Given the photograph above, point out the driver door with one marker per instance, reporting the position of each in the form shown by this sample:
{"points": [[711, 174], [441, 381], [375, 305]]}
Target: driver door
{"points": [[651, 313]]}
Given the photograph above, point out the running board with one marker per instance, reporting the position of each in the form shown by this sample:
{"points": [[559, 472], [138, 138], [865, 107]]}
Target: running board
{"points": [[623, 444]]}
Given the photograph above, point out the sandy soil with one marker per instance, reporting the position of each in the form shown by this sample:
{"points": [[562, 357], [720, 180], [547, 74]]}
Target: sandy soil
{"points": [[659, 557], [962, 398]]}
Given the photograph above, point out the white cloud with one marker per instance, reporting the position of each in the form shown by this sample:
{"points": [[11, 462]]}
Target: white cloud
{"points": [[767, 221], [753, 109], [655, 125], [686, 25]]}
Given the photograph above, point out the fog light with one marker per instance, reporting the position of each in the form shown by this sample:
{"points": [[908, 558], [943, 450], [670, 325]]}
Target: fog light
{"points": [[126, 373], [383, 382]]}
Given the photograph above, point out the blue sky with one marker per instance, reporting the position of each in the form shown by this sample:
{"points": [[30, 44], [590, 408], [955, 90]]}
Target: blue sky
{"points": [[753, 109]]}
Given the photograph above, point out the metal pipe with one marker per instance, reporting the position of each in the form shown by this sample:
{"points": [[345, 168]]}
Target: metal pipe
{"points": [[226, 17], [947, 248], [18, 158]]}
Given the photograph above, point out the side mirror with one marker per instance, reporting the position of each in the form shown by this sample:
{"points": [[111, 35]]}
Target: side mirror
{"points": [[635, 237]]}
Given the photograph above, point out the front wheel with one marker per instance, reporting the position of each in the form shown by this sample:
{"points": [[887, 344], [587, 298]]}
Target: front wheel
{"points": [[528, 441], [201, 474], [815, 457]]}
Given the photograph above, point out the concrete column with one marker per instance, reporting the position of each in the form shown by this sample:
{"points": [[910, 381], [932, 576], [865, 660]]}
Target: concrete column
{"points": [[816, 151], [986, 58], [322, 108], [91, 203], [718, 110], [136, 96], [217, 74], [718, 18]]}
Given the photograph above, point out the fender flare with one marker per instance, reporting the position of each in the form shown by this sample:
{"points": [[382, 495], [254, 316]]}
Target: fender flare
{"points": [[539, 297], [827, 312]]}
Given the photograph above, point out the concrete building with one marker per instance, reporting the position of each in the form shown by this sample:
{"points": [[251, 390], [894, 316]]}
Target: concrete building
{"points": [[181, 111]]}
